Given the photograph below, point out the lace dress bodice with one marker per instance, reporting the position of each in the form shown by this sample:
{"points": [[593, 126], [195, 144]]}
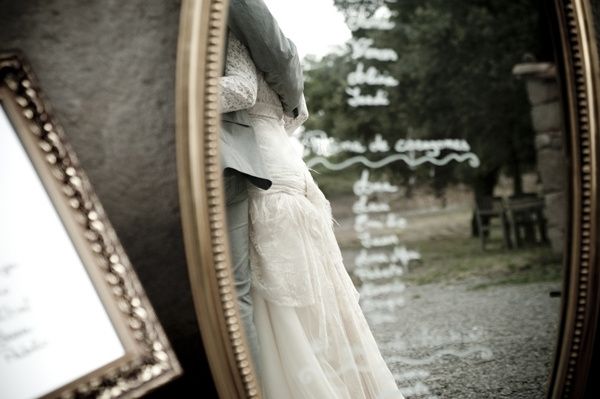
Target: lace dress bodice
{"points": [[284, 277], [244, 87], [267, 101], [238, 87]]}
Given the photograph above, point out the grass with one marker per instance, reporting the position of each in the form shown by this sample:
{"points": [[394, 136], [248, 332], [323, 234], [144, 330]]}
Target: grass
{"points": [[339, 183], [460, 258], [336, 184], [442, 237]]}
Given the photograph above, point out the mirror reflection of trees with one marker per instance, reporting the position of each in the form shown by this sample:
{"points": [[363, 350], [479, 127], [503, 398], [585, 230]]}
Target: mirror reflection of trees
{"points": [[454, 81]]}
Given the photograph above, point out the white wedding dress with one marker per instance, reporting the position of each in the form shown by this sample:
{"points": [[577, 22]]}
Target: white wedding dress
{"points": [[314, 341]]}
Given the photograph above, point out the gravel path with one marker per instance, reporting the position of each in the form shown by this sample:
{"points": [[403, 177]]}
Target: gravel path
{"points": [[452, 341]]}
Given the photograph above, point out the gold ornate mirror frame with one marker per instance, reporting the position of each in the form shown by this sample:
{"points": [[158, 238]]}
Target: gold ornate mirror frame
{"points": [[201, 39], [199, 60], [580, 74]]}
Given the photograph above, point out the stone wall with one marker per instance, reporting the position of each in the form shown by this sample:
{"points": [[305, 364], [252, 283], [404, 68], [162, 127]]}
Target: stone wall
{"points": [[546, 115], [108, 69]]}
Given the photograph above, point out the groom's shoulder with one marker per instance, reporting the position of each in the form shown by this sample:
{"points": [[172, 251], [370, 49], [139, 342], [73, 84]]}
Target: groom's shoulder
{"points": [[252, 22]]}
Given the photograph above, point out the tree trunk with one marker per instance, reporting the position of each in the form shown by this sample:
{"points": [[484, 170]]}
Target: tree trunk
{"points": [[515, 172]]}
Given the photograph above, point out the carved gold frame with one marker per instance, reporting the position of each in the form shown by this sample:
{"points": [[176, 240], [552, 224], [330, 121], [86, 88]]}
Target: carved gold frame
{"points": [[199, 63], [201, 39], [149, 360]]}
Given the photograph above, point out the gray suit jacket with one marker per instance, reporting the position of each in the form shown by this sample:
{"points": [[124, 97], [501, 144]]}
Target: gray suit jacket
{"points": [[277, 58]]}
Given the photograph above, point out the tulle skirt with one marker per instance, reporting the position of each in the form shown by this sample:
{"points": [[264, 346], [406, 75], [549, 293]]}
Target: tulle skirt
{"points": [[314, 341]]}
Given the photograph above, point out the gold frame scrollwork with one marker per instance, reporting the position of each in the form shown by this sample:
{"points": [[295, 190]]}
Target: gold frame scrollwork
{"points": [[199, 63], [149, 360]]}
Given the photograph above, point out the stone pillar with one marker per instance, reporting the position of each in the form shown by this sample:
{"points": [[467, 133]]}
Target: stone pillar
{"points": [[546, 116]]}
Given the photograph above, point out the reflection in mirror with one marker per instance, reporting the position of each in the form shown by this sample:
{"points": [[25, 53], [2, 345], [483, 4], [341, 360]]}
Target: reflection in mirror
{"points": [[434, 131]]}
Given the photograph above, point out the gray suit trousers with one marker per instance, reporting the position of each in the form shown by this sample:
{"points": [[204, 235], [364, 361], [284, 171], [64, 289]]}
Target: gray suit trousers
{"points": [[236, 201]]}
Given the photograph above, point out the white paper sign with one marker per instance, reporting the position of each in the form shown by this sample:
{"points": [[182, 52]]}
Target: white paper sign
{"points": [[53, 326]]}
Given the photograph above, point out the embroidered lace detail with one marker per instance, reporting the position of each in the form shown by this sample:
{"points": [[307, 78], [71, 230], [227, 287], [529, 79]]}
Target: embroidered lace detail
{"points": [[244, 87], [239, 85]]}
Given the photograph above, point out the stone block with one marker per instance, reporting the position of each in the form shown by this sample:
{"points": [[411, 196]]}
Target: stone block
{"points": [[542, 91], [552, 167], [557, 240], [557, 140], [547, 117], [556, 216], [542, 140], [555, 210], [550, 139]]}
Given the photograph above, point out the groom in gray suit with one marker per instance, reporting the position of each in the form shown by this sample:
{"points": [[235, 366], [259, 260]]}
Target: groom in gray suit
{"points": [[276, 57]]}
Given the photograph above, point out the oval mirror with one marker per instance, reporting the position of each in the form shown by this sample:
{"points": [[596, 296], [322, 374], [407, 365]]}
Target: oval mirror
{"points": [[411, 215]]}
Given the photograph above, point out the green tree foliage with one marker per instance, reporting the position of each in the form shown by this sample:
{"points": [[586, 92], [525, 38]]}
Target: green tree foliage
{"points": [[455, 60]]}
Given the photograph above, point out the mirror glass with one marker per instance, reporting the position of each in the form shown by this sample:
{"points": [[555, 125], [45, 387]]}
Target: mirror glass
{"points": [[49, 309], [435, 133]]}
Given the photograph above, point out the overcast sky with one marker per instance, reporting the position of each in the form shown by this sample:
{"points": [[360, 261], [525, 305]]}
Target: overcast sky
{"points": [[315, 26]]}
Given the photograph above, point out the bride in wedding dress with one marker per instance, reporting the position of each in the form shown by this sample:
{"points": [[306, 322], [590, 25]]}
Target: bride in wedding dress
{"points": [[314, 341]]}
